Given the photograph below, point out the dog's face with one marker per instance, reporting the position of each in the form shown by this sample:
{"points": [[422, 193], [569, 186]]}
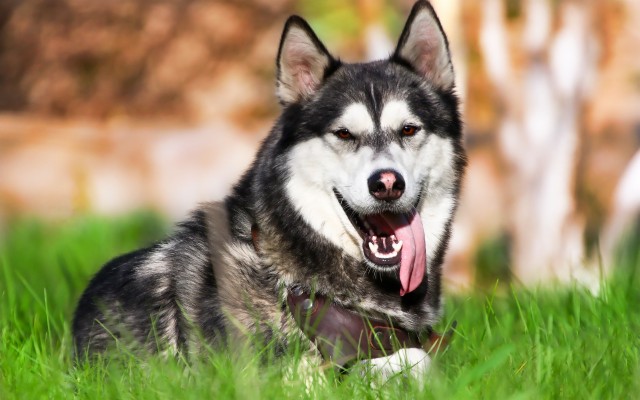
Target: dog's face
{"points": [[373, 161]]}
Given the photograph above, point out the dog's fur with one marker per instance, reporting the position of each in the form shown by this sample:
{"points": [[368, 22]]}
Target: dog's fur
{"points": [[211, 280]]}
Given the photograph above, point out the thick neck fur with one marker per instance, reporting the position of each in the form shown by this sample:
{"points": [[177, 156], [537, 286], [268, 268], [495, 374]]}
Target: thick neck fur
{"points": [[297, 254]]}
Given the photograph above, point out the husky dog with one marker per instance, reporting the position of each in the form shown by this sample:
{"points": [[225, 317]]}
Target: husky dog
{"points": [[351, 196]]}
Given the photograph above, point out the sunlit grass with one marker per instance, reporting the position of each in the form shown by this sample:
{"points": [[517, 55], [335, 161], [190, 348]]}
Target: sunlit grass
{"points": [[552, 344]]}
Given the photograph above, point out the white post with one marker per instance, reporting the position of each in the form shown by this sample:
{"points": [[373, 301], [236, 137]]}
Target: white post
{"points": [[540, 133]]}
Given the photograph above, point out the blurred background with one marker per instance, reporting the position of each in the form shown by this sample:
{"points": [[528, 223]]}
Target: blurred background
{"points": [[116, 106]]}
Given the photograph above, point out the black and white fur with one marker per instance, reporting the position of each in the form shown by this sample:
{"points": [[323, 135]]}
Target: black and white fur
{"points": [[208, 282]]}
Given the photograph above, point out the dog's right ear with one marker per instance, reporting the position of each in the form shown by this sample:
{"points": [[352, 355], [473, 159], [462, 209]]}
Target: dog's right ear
{"points": [[302, 62]]}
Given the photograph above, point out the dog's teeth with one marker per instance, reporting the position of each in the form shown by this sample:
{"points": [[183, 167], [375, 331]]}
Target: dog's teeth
{"points": [[397, 245], [394, 239], [373, 248], [385, 256], [374, 239]]}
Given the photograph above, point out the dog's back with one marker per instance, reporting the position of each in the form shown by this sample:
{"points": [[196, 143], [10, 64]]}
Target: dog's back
{"points": [[153, 296]]}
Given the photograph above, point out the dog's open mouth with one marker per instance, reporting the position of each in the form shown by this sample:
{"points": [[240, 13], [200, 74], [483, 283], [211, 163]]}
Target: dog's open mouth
{"points": [[379, 241], [390, 240]]}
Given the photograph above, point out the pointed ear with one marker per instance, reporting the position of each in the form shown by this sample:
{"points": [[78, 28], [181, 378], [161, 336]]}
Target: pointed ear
{"points": [[423, 45], [302, 62]]}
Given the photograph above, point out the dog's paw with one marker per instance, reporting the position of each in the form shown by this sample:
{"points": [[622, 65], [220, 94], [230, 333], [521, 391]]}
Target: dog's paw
{"points": [[408, 363], [307, 370]]}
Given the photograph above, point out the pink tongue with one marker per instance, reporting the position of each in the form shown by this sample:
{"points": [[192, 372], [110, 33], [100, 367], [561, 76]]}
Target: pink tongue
{"points": [[408, 228]]}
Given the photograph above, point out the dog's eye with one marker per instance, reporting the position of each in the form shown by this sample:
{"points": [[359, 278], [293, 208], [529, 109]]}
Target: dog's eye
{"points": [[409, 130], [343, 134]]}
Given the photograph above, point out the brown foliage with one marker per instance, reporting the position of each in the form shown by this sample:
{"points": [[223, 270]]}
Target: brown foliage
{"points": [[126, 57]]}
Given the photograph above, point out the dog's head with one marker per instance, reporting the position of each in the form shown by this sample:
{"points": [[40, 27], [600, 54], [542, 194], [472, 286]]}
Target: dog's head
{"points": [[373, 149]]}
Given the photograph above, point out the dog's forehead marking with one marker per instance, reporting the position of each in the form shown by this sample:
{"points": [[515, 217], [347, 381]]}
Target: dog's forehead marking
{"points": [[357, 119], [395, 113], [373, 99]]}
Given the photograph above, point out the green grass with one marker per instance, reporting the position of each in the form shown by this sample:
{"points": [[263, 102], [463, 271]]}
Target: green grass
{"points": [[510, 343]]}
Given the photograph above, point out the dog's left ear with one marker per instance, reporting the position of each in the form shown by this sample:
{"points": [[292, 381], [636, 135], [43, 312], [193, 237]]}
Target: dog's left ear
{"points": [[423, 45], [302, 62]]}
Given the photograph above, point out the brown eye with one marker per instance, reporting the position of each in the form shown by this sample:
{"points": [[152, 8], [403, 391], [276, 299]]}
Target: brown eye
{"points": [[409, 130], [343, 134]]}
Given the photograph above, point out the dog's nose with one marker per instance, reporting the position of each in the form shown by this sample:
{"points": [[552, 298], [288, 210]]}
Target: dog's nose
{"points": [[386, 185]]}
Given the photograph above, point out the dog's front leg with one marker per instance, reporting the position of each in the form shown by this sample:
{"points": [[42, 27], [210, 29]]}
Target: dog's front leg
{"points": [[306, 369], [410, 362]]}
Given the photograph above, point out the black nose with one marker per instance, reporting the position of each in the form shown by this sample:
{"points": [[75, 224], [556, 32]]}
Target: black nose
{"points": [[386, 185]]}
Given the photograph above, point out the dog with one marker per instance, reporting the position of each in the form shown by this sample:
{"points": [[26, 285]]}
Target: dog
{"points": [[343, 220]]}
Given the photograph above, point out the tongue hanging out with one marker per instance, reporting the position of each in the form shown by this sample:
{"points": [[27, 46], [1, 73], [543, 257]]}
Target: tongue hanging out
{"points": [[394, 238]]}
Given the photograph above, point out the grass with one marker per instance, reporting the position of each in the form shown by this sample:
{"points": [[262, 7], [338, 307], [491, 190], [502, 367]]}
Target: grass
{"points": [[509, 343]]}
